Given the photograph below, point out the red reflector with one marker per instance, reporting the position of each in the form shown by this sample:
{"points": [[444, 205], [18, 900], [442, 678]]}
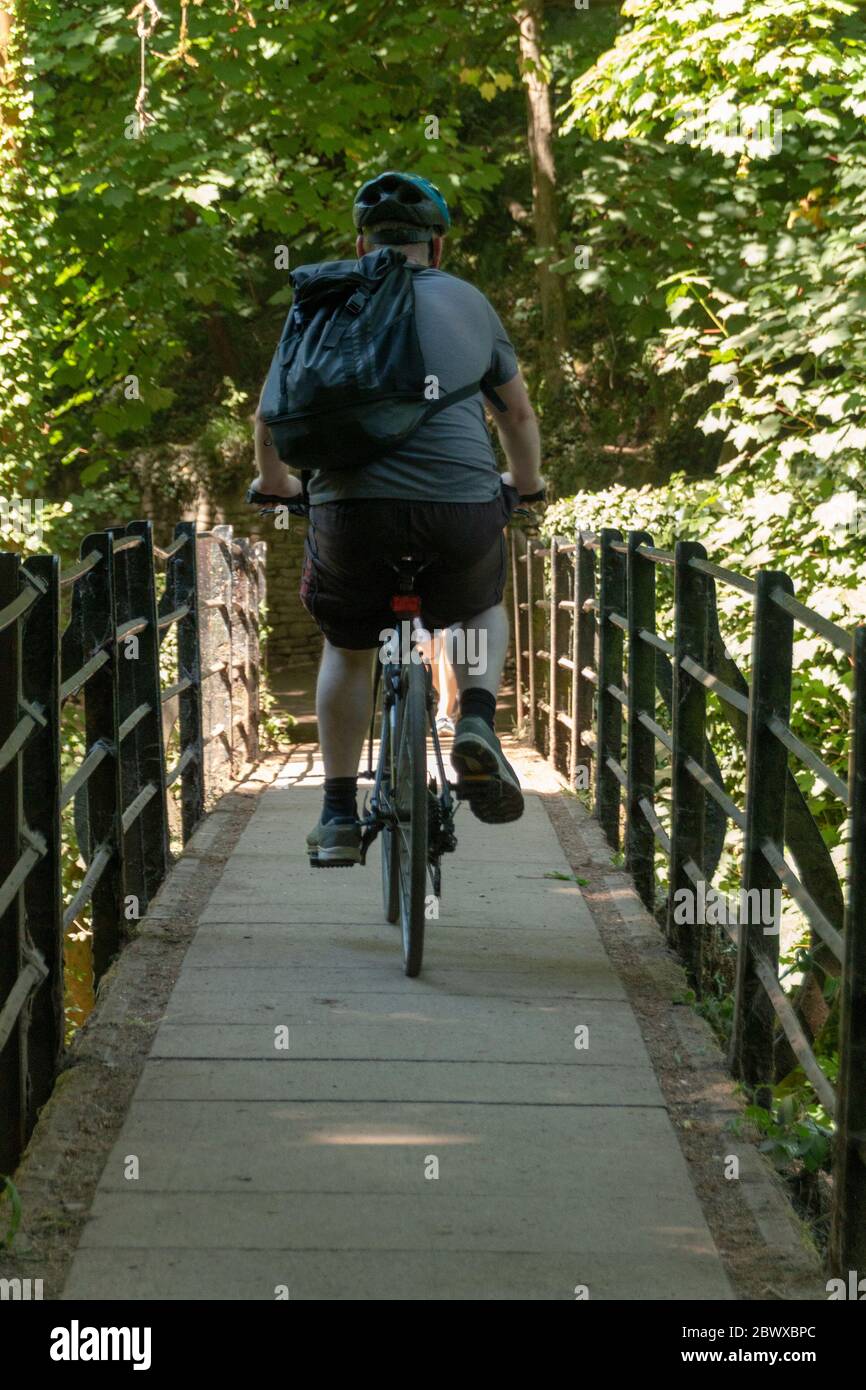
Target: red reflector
{"points": [[405, 603]]}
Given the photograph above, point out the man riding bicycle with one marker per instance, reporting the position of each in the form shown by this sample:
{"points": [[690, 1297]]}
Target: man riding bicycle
{"points": [[438, 495]]}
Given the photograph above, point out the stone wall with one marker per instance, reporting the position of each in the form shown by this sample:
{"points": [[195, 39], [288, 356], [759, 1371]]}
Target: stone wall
{"points": [[294, 638]]}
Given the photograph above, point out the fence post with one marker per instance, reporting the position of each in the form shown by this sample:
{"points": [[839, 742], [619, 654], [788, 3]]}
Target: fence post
{"points": [[573, 745], [518, 639], [641, 760], [98, 616], [182, 578], [214, 577], [610, 644], [258, 553], [584, 654], [183, 585], [688, 720], [246, 564], [240, 667], [848, 1235], [563, 645], [13, 1057], [224, 570], [142, 755], [766, 776], [40, 689], [552, 636], [530, 633]]}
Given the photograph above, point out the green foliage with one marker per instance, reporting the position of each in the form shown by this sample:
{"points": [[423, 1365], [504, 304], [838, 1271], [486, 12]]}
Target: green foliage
{"points": [[739, 164], [138, 251], [793, 1134], [722, 206]]}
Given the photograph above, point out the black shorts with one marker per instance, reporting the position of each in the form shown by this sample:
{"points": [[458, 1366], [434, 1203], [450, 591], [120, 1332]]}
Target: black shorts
{"points": [[348, 580]]}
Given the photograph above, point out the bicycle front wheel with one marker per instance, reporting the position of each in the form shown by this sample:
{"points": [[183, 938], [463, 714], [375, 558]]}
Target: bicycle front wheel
{"points": [[390, 843], [410, 795]]}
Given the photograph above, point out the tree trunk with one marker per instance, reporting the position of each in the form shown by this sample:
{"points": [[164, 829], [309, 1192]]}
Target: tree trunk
{"points": [[545, 210], [8, 119], [7, 21], [5, 32]]}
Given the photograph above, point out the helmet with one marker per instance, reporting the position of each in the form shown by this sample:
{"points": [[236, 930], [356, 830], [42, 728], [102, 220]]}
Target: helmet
{"points": [[404, 199]]}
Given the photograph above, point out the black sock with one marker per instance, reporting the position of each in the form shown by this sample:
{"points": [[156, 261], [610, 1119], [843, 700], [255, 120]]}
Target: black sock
{"points": [[340, 798], [475, 700]]}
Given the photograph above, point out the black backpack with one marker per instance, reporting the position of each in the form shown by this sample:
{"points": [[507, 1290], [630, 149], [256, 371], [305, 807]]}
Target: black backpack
{"points": [[347, 382]]}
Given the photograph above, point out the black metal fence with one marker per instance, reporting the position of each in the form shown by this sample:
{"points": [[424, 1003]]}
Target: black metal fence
{"points": [[205, 628], [592, 675]]}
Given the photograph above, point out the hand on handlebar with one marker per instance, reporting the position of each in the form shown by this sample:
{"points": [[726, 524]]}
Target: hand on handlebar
{"points": [[527, 507], [269, 503]]}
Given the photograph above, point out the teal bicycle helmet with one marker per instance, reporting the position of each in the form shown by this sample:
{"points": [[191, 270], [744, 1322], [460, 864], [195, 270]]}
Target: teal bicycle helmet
{"points": [[414, 204]]}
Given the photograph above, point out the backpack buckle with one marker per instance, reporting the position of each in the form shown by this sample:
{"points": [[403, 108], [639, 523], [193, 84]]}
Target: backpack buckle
{"points": [[355, 303]]}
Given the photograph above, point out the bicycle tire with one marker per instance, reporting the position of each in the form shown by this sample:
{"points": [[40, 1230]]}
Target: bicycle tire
{"points": [[390, 843], [411, 805]]}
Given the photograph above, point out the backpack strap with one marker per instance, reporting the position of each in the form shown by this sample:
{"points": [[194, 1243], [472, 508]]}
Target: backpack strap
{"points": [[493, 396], [465, 391], [345, 316]]}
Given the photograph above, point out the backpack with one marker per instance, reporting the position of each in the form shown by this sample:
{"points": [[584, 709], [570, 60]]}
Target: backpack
{"points": [[347, 382]]}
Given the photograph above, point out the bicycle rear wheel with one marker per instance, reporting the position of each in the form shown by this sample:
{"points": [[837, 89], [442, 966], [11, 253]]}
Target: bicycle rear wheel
{"points": [[410, 798]]}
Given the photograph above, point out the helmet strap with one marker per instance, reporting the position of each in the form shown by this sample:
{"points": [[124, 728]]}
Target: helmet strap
{"points": [[396, 236]]}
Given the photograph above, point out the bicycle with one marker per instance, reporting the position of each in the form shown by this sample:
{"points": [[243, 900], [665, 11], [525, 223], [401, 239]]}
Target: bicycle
{"points": [[412, 809]]}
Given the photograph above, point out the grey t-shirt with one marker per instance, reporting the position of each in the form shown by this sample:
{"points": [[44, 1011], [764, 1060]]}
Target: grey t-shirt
{"points": [[450, 457]]}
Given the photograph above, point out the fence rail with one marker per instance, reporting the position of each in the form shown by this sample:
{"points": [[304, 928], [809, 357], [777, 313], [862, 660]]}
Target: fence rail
{"points": [[591, 670], [109, 656]]}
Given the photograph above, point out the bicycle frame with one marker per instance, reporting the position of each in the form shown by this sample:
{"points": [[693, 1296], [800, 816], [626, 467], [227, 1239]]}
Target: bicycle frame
{"points": [[410, 634]]}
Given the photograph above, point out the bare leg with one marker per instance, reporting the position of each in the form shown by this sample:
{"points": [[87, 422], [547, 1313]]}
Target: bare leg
{"points": [[447, 681], [344, 704], [484, 778], [478, 661]]}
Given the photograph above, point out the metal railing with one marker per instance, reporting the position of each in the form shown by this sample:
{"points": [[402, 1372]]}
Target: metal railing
{"points": [[108, 657], [590, 667]]}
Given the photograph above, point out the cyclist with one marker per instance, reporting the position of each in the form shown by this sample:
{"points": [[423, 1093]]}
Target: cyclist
{"points": [[439, 494]]}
